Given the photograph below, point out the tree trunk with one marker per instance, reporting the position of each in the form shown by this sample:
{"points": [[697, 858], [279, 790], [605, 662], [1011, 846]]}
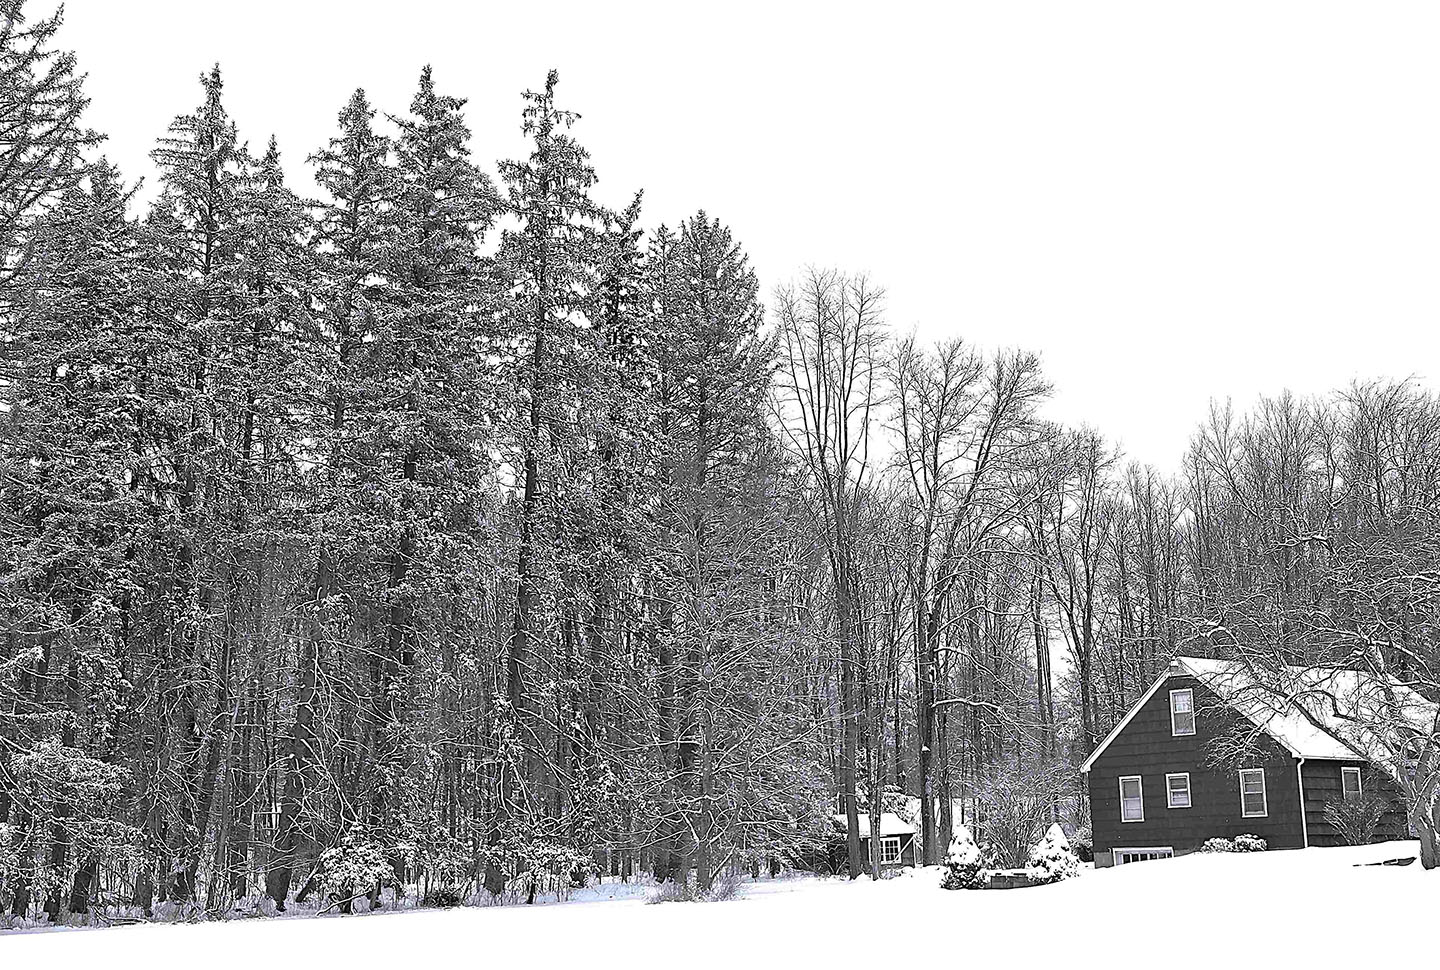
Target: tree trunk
{"points": [[1427, 826], [849, 740], [300, 749]]}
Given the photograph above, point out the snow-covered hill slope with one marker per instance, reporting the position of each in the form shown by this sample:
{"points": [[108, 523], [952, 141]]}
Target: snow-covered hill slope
{"points": [[1303, 908]]}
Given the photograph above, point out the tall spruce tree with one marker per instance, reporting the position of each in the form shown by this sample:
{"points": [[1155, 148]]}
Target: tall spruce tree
{"points": [[715, 367], [41, 154], [71, 505], [435, 388], [350, 298], [269, 360], [549, 264], [198, 227]]}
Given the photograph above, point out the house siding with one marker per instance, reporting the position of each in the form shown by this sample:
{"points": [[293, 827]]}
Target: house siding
{"points": [[1322, 783], [1147, 748]]}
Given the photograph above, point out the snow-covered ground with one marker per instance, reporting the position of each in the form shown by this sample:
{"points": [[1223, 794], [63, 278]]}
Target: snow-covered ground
{"points": [[1301, 908]]}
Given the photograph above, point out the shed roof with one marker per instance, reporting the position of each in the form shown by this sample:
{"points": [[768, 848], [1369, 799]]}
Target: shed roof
{"points": [[890, 824]]}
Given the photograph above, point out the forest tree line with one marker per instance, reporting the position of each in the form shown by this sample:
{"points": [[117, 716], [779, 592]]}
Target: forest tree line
{"points": [[434, 529]]}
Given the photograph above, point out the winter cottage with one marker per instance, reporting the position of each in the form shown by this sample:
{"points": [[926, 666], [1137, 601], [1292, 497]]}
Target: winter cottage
{"points": [[1155, 792], [897, 839]]}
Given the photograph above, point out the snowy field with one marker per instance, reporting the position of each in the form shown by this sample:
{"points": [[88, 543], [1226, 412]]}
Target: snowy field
{"points": [[1301, 908]]}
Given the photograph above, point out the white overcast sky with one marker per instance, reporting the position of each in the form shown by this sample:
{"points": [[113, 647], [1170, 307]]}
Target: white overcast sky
{"points": [[1172, 203]]}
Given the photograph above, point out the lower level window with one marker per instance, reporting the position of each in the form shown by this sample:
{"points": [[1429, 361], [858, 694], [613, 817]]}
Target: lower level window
{"points": [[1350, 783], [1252, 792], [889, 851], [1124, 856]]}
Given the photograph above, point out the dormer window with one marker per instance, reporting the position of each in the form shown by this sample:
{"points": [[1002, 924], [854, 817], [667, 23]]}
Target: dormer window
{"points": [[1182, 712]]}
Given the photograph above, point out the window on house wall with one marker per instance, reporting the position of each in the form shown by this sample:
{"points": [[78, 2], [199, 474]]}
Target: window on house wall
{"points": [[1182, 712], [1350, 783], [1132, 800], [1124, 856], [1252, 793], [889, 851], [1177, 790]]}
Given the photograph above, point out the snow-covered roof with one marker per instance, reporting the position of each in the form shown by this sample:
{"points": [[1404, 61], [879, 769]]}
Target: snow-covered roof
{"points": [[890, 824], [1317, 712], [1314, 712]]}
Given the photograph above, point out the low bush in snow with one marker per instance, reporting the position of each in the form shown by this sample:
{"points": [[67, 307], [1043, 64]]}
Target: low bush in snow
{"points": [[1083, 845], [538, 867], [726, 886], [172, 912], [444, 897], [964, 868], [1241, 843], [1052, 859], [351, 869], [1249, 843], [1356, 819]]}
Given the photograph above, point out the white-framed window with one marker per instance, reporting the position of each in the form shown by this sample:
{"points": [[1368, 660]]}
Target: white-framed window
{"points": [[889, 850], [1126, 856], [1252, 793], [1182, 712], [1177, 790], [1132, 799], [1350, 784]]}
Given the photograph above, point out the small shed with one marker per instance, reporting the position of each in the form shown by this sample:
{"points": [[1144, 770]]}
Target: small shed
{"points": [[896, 842]]}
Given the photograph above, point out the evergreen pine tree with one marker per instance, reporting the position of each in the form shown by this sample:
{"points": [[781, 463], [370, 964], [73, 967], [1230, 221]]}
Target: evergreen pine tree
{"points": [[198, 228], [549, 264], [41, 154], [435, 387], [350, 297], [71, 508]]}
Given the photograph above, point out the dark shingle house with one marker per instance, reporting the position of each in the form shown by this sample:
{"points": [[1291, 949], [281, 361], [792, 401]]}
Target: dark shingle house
{"points": [[1155, 791]]}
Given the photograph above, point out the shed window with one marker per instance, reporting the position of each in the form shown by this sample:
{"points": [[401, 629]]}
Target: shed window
{"points": [[1350, 783], [1132, 801], [1177, 790], [889, 851], [1182, 712], [1252, 792]]}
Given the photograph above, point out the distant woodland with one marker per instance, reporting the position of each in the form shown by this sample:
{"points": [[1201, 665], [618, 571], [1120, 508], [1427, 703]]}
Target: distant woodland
{"points": [[398, 523]]}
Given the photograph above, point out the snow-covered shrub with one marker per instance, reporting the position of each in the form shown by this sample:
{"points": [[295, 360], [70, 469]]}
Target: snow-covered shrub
{"points": [[963, 864], [545, 866], [1249, 843], [1052, 860], [352, 869], [448, 866], [1218, 845], [1084, 844]]}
